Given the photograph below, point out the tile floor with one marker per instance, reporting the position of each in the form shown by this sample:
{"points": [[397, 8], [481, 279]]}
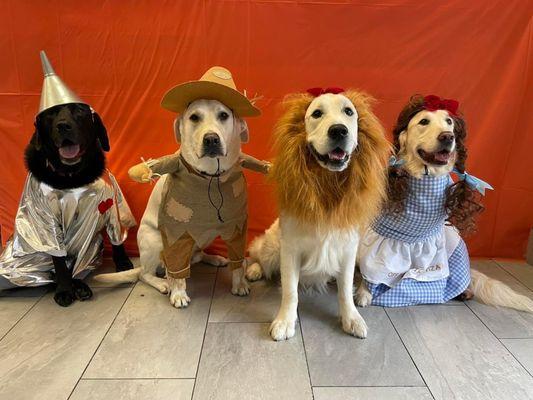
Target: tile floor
{"points": [[129, 343]]}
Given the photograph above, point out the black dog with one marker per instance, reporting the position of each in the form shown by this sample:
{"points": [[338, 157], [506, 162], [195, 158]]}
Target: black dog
{"points": [[65, 152]]}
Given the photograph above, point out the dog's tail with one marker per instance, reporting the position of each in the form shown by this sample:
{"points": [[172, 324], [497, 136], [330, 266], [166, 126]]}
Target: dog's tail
{"points": [[265, 250], [495, 293], [129, 276]]}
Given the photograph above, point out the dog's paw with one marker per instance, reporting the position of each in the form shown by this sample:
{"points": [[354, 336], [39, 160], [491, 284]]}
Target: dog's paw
{"points": [[64, 298], [162, 286], [353, 324], [254, 272], [363, 297], [282, 329], [215, 260], [179, 299], [81, 290], [240, 289]]}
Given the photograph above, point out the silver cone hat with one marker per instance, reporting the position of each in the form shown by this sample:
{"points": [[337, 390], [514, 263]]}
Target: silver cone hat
{"points": [[54, 91]]}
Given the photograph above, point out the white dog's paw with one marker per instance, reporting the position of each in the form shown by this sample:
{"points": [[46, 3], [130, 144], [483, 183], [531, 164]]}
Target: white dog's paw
{"points": [[162, 287], [353, 324], [254, 272], [179, 299], [363, 297], [160, 284], [178, 295], [240, 289], [239, 285], [215, 260], [282, 329]]}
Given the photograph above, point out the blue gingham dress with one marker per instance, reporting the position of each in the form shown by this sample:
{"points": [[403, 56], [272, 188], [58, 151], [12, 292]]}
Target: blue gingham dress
{"points": [[412, 257]]}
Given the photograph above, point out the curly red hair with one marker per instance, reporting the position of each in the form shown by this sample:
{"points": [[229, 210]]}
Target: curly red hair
{"points": [[462, 202]]}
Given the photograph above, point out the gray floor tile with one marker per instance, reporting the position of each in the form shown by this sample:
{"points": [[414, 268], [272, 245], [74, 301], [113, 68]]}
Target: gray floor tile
{"points": [[132, 389], [12, 309], [45, 354], [152, 339], [261, 305], [240, 361], [503, 322], [458, 356], [338, 359], [522, 349], [519, 269], [371, 393]]}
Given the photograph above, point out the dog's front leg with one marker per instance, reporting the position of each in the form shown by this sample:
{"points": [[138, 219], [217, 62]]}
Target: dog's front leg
{"points": [[352, 322], [283, 326], [120, 258], [178, 294], [68, 289], [239, 284]]}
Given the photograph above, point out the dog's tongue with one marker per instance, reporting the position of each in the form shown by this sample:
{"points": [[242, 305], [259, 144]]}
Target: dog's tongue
{"points": [[337, 154], [70, 151], [442, 156]]}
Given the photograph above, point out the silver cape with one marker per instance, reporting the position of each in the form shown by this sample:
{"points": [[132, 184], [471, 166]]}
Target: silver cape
{"points": [[64, 223]]}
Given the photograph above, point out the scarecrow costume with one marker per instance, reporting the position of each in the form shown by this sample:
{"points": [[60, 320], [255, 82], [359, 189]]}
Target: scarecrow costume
{"points": [[62, 222], [413, 257], [196, 207]]}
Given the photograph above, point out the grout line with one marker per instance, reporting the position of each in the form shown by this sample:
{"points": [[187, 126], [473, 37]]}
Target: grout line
{"points": [[205, 331], [23, 315], [500, 266], [408, 352], [300, 322], [136, 379], [369, 386], [499, 340], [103, 338]]}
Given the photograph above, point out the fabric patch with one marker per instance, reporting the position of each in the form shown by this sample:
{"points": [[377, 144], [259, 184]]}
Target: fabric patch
{"points": [[238, 187], [178, 211], [105, 205]]}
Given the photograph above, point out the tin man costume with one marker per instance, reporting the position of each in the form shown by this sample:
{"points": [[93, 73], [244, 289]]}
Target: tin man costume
{"points": [[197, 208], [62, 223], [412, 257]]}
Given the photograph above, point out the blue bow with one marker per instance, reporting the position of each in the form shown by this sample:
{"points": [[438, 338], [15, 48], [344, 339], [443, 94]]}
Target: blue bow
{"points": [[473, 182], [395, 162]]}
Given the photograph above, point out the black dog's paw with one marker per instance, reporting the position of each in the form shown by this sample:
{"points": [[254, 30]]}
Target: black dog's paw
{"points": [[64, 298], [81, 290], [123, 264]]}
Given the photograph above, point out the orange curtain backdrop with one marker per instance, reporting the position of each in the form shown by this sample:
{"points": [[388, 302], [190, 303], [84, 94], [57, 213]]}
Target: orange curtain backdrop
{"points": [[122, 56]]}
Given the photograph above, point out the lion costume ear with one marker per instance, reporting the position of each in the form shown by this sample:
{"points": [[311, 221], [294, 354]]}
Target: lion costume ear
{"points": [[177, 128], [101, 131], [241, 128]]}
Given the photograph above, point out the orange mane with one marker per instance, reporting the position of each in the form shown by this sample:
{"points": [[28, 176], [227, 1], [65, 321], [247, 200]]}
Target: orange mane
{"points": [[317, 196]]}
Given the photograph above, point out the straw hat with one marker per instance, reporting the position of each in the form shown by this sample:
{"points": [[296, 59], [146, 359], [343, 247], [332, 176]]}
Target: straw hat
{"points": [[216, 84], [54, 91]]}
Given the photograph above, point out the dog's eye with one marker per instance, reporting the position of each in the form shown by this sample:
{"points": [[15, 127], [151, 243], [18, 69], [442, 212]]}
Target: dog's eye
{"points": [[424, 121], [223, 116], [449, 121], [316, 114], [348, 111], [194, 118]]}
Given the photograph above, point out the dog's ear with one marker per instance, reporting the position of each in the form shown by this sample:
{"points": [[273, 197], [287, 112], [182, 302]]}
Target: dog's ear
{"points": [[100, 131], [241, 128], [402, 137], [36, 139], [177, 128]]}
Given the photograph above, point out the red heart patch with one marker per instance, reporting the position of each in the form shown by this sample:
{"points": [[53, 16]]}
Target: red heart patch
{"points": [[105, 205]]}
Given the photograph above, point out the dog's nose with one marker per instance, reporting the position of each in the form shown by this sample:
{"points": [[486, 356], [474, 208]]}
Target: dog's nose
{"points": [[211, 139], [446, 137], [63, 127], [337, 132]]}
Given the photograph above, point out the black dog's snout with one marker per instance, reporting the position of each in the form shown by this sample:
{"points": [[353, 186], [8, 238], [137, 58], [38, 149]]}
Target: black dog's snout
{"points": [[211, 140], [446, 138], [64, 126], [337, 132]]}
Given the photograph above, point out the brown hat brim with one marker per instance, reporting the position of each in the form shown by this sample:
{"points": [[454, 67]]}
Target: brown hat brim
{"points": [[179, 97]]}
